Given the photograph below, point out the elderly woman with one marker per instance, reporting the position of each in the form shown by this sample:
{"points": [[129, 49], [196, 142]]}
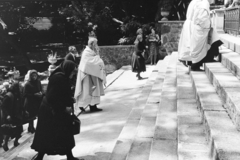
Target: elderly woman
{"points": [[138, 62], [11, 115], [32, 93], [54, 134]]}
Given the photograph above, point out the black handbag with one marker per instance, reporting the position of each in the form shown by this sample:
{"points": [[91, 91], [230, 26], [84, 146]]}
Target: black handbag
{"points": [[76, 124]]}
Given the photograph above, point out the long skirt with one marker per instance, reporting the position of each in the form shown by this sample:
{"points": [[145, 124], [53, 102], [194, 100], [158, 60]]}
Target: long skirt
{"points": [[53, 133], [138, 63], [153, 55]]}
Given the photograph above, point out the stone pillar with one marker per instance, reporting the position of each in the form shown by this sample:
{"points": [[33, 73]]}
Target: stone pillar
{"points": [[219, 20]]}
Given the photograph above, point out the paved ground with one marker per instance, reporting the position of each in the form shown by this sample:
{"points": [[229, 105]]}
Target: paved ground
{"points": [[100, 130]]}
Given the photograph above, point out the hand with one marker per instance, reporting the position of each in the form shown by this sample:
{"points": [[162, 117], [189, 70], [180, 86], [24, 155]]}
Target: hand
{"points": [[69, 110], [9, 118], [39, 94]]}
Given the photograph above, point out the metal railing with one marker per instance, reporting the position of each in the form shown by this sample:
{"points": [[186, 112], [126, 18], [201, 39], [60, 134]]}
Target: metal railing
{"points": [[231, 21]]}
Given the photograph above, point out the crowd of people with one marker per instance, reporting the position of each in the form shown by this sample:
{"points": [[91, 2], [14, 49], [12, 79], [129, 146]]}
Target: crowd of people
{"points": [[72, 85]]}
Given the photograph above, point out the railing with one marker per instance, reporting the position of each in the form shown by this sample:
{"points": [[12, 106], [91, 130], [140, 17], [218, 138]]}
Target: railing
{"points": [[231, 20]]}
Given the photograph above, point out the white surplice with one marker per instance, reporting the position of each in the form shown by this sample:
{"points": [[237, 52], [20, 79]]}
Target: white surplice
{"points": [[193, 44], [90, 74]]}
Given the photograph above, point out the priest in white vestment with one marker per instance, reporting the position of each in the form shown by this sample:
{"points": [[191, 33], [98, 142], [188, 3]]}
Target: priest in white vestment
{"points": [[193, 44], [91, 78]]}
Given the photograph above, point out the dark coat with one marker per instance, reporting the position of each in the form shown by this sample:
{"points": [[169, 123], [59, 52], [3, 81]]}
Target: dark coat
{"points": [[12, 106], [138, 61], [53, 133], [70, 57], [32, 102]]}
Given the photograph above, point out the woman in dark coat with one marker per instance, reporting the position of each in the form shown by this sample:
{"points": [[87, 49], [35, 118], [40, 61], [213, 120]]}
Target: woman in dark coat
{"points": [[11, 118], [32, 94], [53, 133], [138, 61]]}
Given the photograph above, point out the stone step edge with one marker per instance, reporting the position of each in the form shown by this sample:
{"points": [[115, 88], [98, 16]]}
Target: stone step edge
{"points": [[230, 42], [233, 66], [182, 69], [129, 142], [214, 141], [225, 94], [162, 138], [11, 153]]}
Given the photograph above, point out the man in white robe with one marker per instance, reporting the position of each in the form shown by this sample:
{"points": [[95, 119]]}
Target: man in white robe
{"points": [[91, 78], [193, 44]]}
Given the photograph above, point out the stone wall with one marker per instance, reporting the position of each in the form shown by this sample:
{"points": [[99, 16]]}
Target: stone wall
{"points": [[114, 58], [117, 56], [170, 33]]}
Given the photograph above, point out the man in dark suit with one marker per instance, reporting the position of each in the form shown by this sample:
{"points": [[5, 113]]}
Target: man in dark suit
{"points": [[72, 54]]}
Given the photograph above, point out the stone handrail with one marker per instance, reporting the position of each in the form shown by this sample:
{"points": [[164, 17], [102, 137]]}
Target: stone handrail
{"points": [[226, 20], [231, 22]]}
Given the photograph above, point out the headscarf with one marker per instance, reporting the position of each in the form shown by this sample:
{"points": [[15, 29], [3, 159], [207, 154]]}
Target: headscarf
{"points": [[66, 67], [30, 74]]}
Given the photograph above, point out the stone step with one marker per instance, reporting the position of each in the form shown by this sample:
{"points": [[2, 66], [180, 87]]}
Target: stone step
{"points": [[231, 60], [13, 151], [222, 135], [128, 134], [231, 42], [227, 87], [164, 142], [192, 143]]}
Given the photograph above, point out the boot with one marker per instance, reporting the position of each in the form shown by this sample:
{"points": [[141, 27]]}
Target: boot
{"points": [[16, 142], [5, 144], [94, 108], [31, 128]]}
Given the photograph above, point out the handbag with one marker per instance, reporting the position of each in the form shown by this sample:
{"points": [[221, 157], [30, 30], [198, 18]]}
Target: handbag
{"points": [[76, 124]]}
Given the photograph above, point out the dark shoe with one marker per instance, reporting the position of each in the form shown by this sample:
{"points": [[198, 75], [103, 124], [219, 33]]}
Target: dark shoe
{"points": [[16, 143], [82, 109], [197, 70], [74, 159], [31, 130], [5, 147], [139, 78], [95, 109]]}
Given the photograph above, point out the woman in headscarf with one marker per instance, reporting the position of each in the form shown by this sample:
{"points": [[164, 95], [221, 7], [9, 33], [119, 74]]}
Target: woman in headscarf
{"points": [[32, 94], [53, 133], [138, 61], [11, 115]]}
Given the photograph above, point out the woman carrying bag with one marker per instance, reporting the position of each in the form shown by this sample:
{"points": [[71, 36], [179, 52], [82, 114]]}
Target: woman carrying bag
{"points": [[54, 133]]}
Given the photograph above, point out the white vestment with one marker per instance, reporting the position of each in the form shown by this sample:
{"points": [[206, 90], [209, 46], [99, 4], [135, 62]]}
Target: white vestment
{"points": [[90, 79], [193, 44]]}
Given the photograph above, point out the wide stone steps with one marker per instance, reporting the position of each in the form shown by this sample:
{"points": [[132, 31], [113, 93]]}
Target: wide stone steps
{"points": [[192, 143], [227, 87], [222, 134], [164, 142], [139, 126], [165, 122]]}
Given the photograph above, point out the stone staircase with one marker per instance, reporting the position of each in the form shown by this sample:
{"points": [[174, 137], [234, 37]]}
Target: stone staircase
{"points": [[185, 117], [179, 116]]}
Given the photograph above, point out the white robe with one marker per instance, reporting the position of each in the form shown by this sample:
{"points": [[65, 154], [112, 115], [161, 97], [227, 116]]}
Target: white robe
{"points": [[193, 44], [184, 41], [91, 69]]}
